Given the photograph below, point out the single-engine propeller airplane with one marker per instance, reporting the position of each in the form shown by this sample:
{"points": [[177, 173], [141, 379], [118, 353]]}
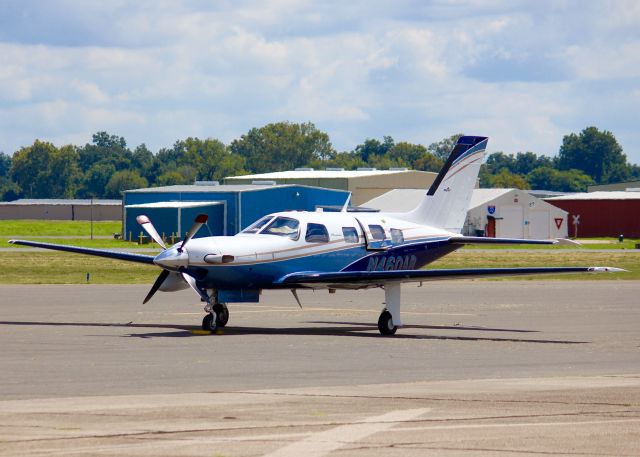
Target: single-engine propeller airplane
{"points": [[329, 250]]}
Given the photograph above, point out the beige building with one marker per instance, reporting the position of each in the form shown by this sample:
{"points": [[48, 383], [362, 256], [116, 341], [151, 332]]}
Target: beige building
{"points": [[628, 185], [63, 210], [364, 184]]}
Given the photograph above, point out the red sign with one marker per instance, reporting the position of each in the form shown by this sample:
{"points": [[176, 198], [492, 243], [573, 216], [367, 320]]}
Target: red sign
{"points": [[558, 222]]}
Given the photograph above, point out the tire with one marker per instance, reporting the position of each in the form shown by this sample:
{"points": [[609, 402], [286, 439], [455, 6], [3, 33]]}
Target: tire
{"points": [[209, 323], [385, 323], [222, 314]]}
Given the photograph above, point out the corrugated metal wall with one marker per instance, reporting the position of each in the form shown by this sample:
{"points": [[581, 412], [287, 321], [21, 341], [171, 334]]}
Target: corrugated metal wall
{"points": [[603, 217]]}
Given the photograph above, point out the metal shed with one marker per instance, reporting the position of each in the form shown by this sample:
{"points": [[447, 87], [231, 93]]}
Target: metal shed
{"points": [[176, 217], [364, 184], [233, 207], [601, 213], [62, 209]]}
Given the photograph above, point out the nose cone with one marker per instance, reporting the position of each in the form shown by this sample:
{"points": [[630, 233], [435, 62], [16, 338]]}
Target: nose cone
{"points": [[172, 259]]}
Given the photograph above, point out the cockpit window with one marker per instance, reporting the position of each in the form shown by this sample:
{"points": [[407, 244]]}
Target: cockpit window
{"points": [[257, 225], [282, 226]]}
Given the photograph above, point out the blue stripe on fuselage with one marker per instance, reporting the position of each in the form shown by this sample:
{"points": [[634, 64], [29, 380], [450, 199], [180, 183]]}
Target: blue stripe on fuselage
{"points": [[262, 275]]}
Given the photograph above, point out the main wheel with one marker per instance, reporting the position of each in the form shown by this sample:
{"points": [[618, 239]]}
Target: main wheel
{"points": [[385, 323], [209, 322], [222, 314]]}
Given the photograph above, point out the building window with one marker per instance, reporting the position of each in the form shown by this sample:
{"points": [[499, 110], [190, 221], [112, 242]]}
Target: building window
{"points": [[316, 233], [350, 234]]}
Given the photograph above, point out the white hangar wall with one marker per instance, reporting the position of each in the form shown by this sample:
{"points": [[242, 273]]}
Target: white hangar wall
{"points": [[513, 213]]}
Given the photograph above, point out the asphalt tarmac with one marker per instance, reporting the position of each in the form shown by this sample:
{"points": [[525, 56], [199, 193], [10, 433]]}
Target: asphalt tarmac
{"points": [[480, 368]]}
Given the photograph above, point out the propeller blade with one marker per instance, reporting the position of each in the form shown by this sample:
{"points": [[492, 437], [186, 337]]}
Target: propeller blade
{"points": [[201, 219], [192, 283], [156, 285], [148, 227]]}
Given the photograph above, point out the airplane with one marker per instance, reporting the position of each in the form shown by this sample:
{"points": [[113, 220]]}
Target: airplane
{"points": [[330, 250]]}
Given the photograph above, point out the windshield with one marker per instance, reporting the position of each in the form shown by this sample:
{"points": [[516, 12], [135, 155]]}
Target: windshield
{"points": [[257, 225], [282, 226]]}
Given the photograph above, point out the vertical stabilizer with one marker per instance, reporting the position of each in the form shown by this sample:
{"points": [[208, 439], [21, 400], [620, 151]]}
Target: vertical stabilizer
{"points": [[446, 202]]}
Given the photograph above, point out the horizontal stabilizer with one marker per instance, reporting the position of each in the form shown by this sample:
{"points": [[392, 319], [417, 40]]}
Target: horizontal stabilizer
{"points": [[487, 240]]}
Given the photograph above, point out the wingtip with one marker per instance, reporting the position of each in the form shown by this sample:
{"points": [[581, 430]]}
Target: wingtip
{"points": [[608, 270]]}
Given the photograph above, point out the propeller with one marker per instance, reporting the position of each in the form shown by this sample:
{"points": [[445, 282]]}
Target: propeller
{"points": [[201, 219], [164, 274], [148, 227]]}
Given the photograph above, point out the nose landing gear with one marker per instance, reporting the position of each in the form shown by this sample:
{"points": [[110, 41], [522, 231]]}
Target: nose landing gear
{"points": [[217, 317]]}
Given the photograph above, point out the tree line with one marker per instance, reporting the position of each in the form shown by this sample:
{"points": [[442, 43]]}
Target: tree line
{"points": [[107, 166]]}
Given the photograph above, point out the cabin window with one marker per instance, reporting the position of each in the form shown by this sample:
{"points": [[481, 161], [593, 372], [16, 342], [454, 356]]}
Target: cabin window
{"points": [[377, 232], [283, 226], [257, 225], [350, 234], [396, 236], [316, 233]]}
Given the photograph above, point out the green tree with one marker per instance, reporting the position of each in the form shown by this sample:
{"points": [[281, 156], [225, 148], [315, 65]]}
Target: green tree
{"points": [[282, 146], [596, 153], [95, 180], [30, 169], [65, 176], [507, 180], [372, 149], [211, 159], [547, 178], [5, 164], [443, 148], [124, 180], [105, 149]]}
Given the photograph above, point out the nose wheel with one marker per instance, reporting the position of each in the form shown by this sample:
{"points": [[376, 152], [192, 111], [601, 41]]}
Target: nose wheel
{"points": [[217, 318]]}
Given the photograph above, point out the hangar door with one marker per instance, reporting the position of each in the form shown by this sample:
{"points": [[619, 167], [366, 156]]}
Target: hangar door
{"points": [[539, 225], [511, 223]]}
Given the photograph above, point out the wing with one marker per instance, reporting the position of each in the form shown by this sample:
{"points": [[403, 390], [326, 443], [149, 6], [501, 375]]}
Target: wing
{"points": [[364, 279], [139, 258]]}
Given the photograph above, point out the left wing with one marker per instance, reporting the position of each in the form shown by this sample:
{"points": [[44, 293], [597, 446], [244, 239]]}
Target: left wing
{"points": [[139, 258], [364, 279]]}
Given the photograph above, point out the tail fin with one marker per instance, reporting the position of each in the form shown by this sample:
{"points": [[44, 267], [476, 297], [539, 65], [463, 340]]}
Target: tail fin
{"points": [[446, 203]]}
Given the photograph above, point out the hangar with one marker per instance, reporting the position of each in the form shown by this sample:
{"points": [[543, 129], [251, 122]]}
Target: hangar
{"points": [[230, 207], [62, 209], [501, 213], [364, 183], [602, 213]]}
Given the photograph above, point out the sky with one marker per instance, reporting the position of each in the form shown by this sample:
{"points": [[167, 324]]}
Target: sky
{"points": [[525, 73]]}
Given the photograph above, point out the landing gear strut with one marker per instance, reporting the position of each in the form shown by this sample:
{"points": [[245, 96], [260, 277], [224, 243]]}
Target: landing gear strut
{"points": [[389, 319], [218, 314]]}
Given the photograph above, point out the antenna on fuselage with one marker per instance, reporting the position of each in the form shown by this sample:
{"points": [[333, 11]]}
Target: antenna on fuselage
{"points": [[346, 204]]}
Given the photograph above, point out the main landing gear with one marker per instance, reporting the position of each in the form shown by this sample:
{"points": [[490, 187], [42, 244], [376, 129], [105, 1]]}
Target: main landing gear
{"points": [[389, 319], [218, 314]]}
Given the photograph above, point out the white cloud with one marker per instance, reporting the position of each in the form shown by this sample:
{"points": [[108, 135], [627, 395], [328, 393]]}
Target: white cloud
{"points": [[153, 72]]}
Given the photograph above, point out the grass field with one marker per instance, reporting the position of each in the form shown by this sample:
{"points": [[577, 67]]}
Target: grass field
{"points": [[24, 228]]}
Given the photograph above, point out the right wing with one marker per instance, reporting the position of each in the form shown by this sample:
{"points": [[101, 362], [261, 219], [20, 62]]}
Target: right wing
{"points": [[364, 279]]}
